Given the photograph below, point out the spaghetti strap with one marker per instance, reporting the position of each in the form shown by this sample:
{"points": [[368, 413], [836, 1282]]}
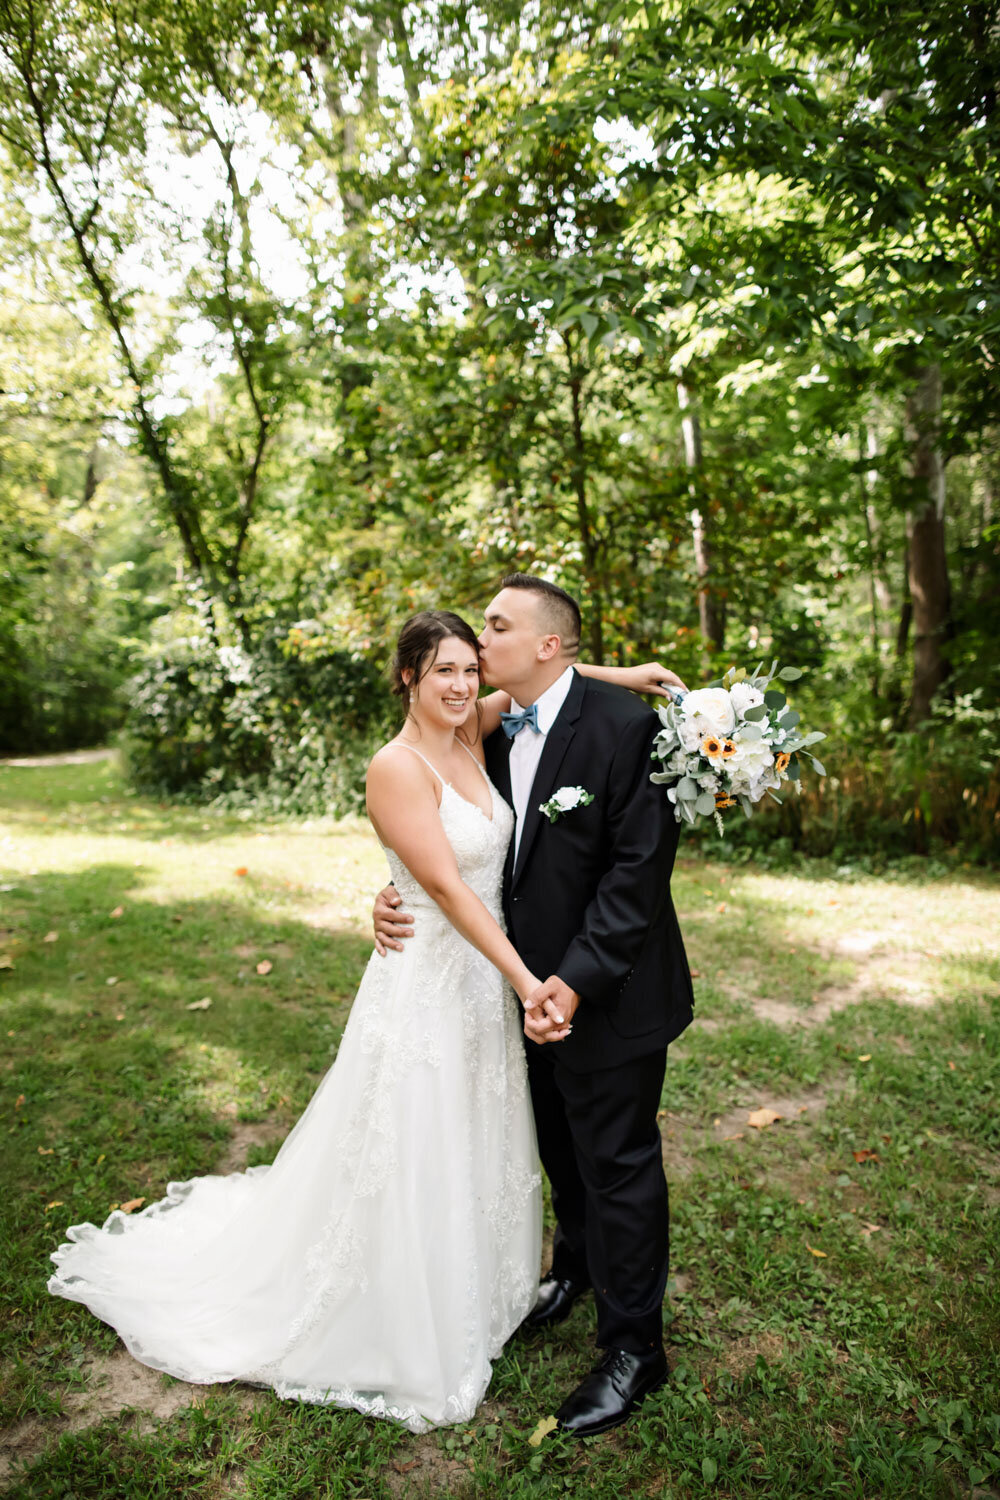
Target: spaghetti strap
{"points": [[474, 756], [402, 745]]}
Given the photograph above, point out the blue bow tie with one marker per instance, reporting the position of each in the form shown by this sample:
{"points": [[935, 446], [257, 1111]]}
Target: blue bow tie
{"points": [[513, 723]]}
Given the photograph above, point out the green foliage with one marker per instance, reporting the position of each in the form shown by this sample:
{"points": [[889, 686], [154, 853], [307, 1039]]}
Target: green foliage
{"points": [[291, 725]]}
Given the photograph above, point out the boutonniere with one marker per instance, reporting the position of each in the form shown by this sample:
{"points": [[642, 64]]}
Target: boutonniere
{"points": [[565, 800]]}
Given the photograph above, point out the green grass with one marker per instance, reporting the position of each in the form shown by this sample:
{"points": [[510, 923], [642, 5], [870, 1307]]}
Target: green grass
{"points": [[832, 1323]]}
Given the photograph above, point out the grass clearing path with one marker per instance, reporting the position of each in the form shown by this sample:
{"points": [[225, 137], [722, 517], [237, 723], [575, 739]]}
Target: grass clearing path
{"points": [[834, 1304]]}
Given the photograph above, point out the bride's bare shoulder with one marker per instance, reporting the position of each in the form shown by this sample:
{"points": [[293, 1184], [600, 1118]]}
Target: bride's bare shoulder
{"points": [[395, 766]]}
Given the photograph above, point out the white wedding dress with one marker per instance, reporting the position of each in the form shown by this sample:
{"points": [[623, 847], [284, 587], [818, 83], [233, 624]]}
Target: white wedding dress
{"points": [[390, 1250]]}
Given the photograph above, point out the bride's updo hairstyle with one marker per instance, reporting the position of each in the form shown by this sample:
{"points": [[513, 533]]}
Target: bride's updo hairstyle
{"points": [[417, 647]]}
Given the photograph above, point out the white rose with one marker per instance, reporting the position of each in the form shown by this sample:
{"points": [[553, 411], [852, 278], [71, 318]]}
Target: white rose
{"points": [[743, 696], [710, 710], [567, 797]]}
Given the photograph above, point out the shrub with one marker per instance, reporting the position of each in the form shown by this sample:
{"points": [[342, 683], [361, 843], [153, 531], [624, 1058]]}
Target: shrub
{"points": [[289, 726]]}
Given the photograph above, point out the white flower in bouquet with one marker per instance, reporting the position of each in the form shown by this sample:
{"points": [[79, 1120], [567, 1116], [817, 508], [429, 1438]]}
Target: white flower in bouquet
{"points": [[709, 711], [744, 695], [689, 734], [735, 741]]}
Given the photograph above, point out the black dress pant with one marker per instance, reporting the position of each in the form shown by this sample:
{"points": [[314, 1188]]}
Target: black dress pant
{"points": [[599, 1143]]}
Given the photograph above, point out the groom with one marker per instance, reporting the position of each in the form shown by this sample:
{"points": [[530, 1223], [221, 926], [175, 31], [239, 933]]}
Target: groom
{"points": [[587, 901]]}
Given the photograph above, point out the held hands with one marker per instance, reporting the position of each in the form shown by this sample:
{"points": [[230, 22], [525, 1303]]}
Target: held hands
{"points": [[549, 1011], [390, 922]]}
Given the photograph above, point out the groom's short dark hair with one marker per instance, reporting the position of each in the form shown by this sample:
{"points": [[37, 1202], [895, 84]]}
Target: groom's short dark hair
{"points": [[559, 610]]}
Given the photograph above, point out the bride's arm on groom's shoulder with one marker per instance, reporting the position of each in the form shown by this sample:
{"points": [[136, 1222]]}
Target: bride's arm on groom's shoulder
{"points": [[490, 709], [403, 807], [646, 677]]}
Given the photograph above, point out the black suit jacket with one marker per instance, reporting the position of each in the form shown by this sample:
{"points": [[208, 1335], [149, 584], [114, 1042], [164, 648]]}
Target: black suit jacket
{"points": [[589, 895]]}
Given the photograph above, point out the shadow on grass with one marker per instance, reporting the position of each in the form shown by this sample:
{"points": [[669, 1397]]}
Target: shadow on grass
{"points": [[112, 1090]]}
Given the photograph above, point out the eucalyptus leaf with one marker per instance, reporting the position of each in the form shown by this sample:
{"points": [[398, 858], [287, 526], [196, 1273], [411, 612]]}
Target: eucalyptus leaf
{"points": [[789, 719], [754, 715], [687, 789], [752, 732], [818, 766], [790, 674], [705, 804], [774, 699]]}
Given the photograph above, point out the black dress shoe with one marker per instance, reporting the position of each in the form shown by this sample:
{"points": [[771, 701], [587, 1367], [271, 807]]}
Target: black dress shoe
{"points": [[556, 1295], [611, 1391]]}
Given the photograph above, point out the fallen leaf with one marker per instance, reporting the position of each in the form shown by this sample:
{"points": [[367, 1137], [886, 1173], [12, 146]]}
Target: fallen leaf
{"points": [[51, 937], [695, 973], [242, 870], [763, 1116], [405, 1468], [6, 962], [19, 1101], [112, 980], [721, 906], [867, 1230], [120, 1017], [200, 1004], [545, 1426], [265, 966], [819, 1254], [866, 1155], [46, 1150], [864, 1057], [132, 1203], [952, 1066], [739, 1136], [56, 1203], [119, 911]]}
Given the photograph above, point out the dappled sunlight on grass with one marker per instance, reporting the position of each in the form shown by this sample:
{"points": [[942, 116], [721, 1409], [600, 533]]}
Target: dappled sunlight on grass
{"points": [[834, 1273]]}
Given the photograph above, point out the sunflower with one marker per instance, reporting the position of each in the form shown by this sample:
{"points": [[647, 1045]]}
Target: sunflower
{"points": [[728, 749], [711, 746], [782, 762], [724, 800]]}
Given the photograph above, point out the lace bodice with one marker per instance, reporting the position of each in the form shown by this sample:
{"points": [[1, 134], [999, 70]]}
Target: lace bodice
{"points": [[480, 846]]}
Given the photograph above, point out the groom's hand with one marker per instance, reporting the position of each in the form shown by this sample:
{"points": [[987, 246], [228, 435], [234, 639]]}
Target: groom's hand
{"points": [[390, 922], [549, 1011]]}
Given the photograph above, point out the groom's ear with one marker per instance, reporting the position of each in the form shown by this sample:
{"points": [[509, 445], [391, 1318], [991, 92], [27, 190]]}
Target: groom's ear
{"points": [[548, 647]]}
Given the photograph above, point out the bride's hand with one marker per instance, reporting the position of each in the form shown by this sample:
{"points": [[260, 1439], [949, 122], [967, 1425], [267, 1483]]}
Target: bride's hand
{"points": [[651, 677]]}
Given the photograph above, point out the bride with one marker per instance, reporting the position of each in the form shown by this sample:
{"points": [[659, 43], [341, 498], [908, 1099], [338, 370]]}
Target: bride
{"points": [[391, 1249]]}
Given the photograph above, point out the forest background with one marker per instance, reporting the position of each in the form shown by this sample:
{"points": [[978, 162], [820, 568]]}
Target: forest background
{"points": [[315, 314]]}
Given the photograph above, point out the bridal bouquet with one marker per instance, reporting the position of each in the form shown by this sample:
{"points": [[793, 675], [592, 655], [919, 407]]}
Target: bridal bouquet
{"points": [[733, 741]]}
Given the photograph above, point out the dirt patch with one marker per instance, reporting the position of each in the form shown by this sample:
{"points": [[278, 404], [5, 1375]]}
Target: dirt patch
{"points": [[682, 1141], [742, 1355], [425, 1469], [70, 758], [246, 1134], [113, 1383]]}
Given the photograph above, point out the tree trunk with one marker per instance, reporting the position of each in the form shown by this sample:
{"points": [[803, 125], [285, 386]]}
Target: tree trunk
{"points": [[711, 609], [928, 563], [588, 541]]}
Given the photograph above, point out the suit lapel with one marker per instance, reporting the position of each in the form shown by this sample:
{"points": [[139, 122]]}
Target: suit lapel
{"points": [[557, 742], [497, 752]]}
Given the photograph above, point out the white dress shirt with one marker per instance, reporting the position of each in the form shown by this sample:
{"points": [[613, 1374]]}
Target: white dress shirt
{"points": [[527, 747]]}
